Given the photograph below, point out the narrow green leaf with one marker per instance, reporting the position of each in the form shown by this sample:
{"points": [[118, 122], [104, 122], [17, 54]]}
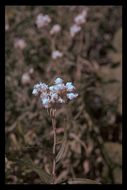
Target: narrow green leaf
{"points": [[63, 146], [81, 181]]}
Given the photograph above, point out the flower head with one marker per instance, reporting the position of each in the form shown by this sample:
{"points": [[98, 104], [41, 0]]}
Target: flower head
{"points": [[54, 95]]}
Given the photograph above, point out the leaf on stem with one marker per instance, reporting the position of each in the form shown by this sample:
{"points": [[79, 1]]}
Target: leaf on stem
{"points": [[63, 146]]}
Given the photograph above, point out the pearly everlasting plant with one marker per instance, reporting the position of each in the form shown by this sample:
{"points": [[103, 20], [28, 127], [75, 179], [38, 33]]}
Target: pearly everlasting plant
{"points": [[51, 98]]}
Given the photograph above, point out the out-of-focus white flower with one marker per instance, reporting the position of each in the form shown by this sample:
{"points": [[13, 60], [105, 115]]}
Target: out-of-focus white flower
{"points": [[31, 70], [74, 29], [56, 54], [55, 29], [58, 81], [25, 79], [71, 96], [7, 27], [42, 20], [56, 94], [81, 18], [20, 43]]}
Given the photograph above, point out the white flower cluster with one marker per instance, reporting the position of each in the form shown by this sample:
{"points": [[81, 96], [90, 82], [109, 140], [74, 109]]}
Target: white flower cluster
{"points": [[56, 54], [59, 93], [55, 29], [78, 21], [42, 20]]}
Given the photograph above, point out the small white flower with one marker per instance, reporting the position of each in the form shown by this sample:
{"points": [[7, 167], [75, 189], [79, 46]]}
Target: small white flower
{"points": [[54, 97], [51, 88], [55, 29], [42, 20], [71, 96], [43, 86], [44, 95], [40, 87], [59, 87], [35, 92], [45, 102], [74, 29], [56, 54], [58, 81], [69, 86]]}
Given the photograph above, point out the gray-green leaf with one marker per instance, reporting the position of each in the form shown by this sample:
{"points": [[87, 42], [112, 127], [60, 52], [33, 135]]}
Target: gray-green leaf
{"points": [[63, 146]]}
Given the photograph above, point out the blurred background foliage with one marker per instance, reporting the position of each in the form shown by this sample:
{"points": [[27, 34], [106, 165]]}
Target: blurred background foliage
{"points": [[93, 61]]}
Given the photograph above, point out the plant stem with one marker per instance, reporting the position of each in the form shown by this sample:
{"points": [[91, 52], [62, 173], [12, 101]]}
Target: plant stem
{"points": [[54, 148]]}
